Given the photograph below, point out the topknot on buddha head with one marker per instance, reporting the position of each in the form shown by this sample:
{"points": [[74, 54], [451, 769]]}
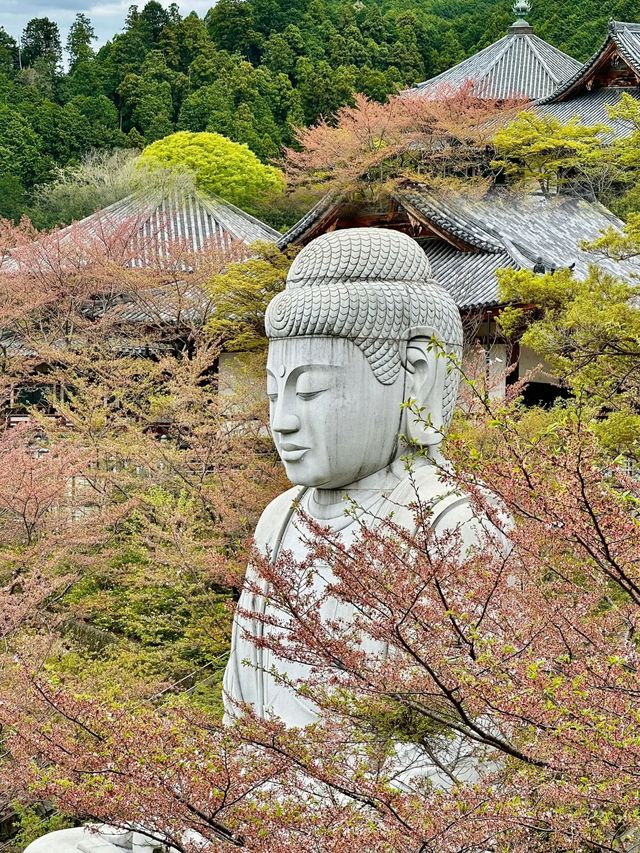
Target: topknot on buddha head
{"points": [[360, 255], [373, 287]]}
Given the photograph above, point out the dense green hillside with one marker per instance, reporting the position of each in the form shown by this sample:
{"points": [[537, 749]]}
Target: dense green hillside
{"points": [[251, 70]]}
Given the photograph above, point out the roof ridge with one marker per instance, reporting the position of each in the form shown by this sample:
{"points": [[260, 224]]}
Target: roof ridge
{"points": [[634, 26], [542, 60], [537, 38], [481, 226], [168, 206], [507, 47], [321, 206], [474, 56]]}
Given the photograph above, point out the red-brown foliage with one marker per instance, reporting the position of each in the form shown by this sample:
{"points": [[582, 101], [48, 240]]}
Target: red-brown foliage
{"points": [[370, 144], [530, 658]]}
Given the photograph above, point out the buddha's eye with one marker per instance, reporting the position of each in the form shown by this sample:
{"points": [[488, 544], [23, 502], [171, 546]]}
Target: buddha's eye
{"points": [[312, 383], [272, 397], [309, 395]]}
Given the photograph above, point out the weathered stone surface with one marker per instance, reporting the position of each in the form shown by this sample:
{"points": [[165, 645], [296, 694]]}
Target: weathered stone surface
{"points": [[359, 330]]}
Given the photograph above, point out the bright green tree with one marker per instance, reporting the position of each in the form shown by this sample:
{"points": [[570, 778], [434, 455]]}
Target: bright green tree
{"points": [[588, 332], [625, 150], [541, 149], [222, 167], [241, 294]]}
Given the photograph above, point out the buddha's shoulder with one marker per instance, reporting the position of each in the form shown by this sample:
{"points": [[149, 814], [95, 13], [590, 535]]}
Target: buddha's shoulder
{"points": [[426, 487], [275, 515], [429, 491]]}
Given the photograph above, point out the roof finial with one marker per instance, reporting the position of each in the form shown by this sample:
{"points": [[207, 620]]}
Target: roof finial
{"points": [[521, 8]]}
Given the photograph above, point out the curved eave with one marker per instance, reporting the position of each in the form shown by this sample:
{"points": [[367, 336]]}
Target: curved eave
{"points": [[462, 231], [308, 222], [567, 89], [613, 43]]}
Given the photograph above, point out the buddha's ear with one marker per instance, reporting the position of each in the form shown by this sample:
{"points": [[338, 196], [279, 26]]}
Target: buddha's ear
{"points": [[425, 364]]}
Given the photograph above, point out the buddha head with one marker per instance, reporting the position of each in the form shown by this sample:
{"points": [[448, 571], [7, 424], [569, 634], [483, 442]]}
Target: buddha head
{"points": [[351, 339]]}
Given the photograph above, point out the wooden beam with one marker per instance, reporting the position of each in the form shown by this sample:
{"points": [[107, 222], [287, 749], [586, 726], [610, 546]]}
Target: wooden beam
{"points": [[603, 73], [438, 230]]}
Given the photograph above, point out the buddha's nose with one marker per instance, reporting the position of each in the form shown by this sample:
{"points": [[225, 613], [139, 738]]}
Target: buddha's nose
{"points": [[285, 423]]}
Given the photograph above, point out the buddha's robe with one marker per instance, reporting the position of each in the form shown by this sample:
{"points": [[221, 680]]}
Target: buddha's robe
{"points": [[248, 677]]}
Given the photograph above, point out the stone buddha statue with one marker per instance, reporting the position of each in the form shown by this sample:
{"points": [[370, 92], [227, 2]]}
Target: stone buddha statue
{"points": [[350, 341]]}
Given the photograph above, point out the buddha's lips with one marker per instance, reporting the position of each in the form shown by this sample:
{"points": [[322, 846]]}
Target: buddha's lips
{"points": [[292, 452]]}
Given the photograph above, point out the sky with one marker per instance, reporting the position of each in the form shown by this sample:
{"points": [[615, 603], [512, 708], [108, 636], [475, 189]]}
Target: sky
{"points": [[107, 17]]}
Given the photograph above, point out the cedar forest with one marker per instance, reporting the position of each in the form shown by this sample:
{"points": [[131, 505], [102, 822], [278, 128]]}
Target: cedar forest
{"points": [[251, 70]]}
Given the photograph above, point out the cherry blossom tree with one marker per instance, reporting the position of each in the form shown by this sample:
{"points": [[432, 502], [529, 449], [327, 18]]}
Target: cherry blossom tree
{"points": [[372, 145], [521, 664], [511, 672], [129, 487]]}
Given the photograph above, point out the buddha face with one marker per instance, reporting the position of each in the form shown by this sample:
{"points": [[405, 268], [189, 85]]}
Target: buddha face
{"points": [[333, 423]]}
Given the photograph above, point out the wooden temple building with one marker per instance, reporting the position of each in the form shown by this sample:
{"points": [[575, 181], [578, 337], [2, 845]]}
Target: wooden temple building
{"points": [[598, 84], [162, 229], [522, 66], [469, 238]]}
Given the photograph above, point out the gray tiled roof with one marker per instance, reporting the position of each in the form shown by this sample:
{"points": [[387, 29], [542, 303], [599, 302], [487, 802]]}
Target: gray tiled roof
{"points": [[519, 65], [501, 229], [591, 108], [438, 211], [152, 222], [149, 220], [189, 218], [199, 221], [470, 277], [529, 226], [624, 36]]}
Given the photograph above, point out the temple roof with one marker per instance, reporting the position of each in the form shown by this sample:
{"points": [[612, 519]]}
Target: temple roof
{"points": [[598, 84], [194, 221], [520, 65], [467, 239], [165, 229], [190, 217], [591, 108]]}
